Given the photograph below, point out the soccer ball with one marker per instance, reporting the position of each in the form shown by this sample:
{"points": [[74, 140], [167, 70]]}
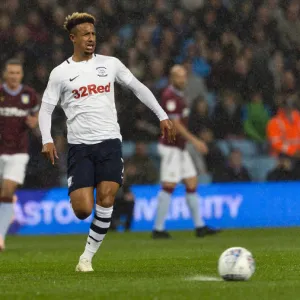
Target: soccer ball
{"points": [[236, 264]]}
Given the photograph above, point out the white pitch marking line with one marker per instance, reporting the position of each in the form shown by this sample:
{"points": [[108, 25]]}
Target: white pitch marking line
{"points": [[203, 278]]}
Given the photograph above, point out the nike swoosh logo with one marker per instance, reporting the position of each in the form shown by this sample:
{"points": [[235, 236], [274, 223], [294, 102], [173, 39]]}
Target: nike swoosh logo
{"points": [[71, 79]]}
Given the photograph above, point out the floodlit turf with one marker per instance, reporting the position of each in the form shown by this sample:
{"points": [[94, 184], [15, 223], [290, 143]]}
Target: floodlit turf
{"points": [[132, 266]]}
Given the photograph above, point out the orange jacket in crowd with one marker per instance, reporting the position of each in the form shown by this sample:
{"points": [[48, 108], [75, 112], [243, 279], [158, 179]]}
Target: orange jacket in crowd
{"points": [[284, 134]]}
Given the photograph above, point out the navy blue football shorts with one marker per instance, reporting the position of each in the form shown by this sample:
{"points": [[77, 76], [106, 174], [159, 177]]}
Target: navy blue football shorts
{"points": [[88, 165]]}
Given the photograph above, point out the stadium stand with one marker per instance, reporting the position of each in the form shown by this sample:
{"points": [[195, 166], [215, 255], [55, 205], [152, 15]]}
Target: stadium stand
{"points": [[232, 50]]}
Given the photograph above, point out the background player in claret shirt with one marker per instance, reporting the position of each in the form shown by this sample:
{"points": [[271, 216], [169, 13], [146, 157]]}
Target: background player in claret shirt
{"points": [[85, 85], [176, 163], [18, 112]]}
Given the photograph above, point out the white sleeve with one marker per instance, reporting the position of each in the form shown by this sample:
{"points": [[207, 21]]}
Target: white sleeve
{"points": [[147, 97], [53, 89], [126, 78], [123, 74], [45, 114]]}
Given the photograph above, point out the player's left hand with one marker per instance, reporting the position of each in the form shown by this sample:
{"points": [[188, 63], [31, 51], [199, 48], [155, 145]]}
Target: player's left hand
{"points": [[50, 152], [168, 129], [31, 121]]}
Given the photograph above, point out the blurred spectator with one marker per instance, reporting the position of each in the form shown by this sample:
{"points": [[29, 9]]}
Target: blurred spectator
{"points": [[220, 65], [123, 208], [108, 17], [44, 8], [105, 49], [233, 170], [58, 19], [222, 13], [40, 78], [289, 27], [230, 44], [152, 24], [199, 117], [227, 118], [284, 170], [5, 28], [237, 78], [214, 160], [167, 49], [267, 25], [283, 130], [276, 66], [36, 28], [135, 11], [162, 7], [256, 117], [197, 55], [23, 47], [192, 5], [243, 19], [246, 47], [156, 79], [115, 43], [260, 77], [136, 64], [207, 21], [289, 82], [179, 24], [11, 7], [142, 125], [58, 56], [247, 53], [275, 11], [140, 167], [6, 32], [195, 86]]}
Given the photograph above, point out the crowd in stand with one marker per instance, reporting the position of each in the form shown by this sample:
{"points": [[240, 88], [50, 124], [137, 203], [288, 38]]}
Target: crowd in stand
{"points": [[243, 62]]}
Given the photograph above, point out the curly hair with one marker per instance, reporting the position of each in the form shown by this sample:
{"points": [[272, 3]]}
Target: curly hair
{"points": [[78, 18]]}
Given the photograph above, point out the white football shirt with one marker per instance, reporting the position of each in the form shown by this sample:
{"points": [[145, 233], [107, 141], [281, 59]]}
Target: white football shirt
{"points": [[86, 91]]}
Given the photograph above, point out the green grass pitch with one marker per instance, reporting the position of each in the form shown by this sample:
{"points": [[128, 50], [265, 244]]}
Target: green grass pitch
{"points": [[133, 266]]}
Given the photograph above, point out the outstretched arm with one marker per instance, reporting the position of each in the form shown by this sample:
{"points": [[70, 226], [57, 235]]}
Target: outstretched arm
{"points": [[147, 97], [126, 78]]}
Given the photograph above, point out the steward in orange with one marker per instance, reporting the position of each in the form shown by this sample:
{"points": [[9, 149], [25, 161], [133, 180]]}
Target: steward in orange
{"points": [[283, 130]]}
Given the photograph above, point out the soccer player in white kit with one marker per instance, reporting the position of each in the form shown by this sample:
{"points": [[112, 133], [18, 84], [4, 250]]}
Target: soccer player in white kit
{"points": [[85, 85]]}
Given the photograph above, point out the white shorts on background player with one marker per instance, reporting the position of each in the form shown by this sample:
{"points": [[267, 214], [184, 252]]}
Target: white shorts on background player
{"points": [[13, 166], [176, 164]]}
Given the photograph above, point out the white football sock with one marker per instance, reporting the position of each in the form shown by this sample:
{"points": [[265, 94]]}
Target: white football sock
{"points": [[98, 230], [164, 199], [6, 215], [193, 203]]}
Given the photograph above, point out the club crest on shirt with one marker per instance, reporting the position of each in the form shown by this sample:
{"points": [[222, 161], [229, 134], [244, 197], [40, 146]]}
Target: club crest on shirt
{"points": [[171, 105], [70, 181], [101, 71], [25, 98]]}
